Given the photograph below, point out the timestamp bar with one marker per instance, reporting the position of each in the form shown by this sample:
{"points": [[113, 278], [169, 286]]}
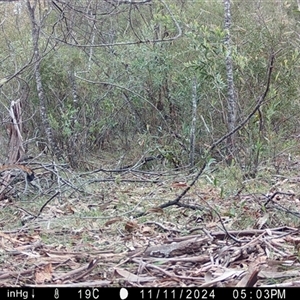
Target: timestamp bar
{"points": [[149, 293], [218, 293]]}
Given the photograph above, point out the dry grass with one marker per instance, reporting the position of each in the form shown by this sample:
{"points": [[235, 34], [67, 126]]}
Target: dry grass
{"points": [[88, 234]]}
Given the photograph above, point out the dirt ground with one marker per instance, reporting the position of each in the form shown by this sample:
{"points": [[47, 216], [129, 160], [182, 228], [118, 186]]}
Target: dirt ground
{"points": [[113, 228]]}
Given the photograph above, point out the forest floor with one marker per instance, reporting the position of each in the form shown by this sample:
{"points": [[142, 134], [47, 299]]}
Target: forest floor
{"points": [[107, 228]]}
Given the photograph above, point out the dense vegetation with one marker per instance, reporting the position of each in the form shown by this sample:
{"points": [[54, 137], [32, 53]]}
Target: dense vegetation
{"points": [[120, 81]]}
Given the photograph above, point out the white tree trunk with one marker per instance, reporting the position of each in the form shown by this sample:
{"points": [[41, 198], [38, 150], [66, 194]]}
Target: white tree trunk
{"points": [[35, 32], [231, 101]]}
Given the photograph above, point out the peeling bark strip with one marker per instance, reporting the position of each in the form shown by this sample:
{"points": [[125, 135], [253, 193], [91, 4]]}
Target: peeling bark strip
{"points": [[16, 150], [15, 145]]}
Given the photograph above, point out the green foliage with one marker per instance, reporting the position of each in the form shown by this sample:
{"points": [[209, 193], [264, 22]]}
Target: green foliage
{"points": [[128, 91]]}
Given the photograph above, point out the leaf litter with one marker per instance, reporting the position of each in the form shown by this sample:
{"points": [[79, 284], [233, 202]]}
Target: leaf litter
{"points": [[90, 236]]}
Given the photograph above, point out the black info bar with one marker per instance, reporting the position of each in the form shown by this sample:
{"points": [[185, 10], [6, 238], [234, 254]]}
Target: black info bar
{"points": [[56, 293]]}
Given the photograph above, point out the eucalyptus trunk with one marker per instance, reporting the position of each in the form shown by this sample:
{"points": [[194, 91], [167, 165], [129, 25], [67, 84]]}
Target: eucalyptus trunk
{"points": [[35, 34], [231, 101]]}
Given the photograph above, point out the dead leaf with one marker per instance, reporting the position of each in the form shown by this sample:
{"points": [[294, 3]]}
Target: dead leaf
{"points": [[147, 229], [178, 185], [249, 279], [156, 210], [294, 240], [262, 221], [132, 277], [227, 274], [44, 274], [208, 276], [71, 209], [131, 225], [112, 221]]}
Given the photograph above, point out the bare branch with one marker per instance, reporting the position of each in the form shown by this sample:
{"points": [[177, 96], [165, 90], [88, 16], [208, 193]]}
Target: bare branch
{"points": [[118, 2], [93, 13]]}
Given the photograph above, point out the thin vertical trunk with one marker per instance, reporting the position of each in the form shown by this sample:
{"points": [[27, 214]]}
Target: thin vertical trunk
{"points": [[193, 123], [73, 147], [35, 32], [231, 101]]}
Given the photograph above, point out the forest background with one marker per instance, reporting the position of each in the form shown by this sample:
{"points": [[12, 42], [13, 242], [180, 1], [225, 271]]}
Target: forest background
{"points": [[147, 118], [120, 79]]}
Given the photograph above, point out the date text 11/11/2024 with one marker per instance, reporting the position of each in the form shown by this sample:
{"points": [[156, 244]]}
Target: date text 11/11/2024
{"points": [[216, 293]]}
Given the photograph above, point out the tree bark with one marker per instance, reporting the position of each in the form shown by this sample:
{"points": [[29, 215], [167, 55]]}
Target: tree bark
{"points": [[35, 33], [193, 123], [231, 101]]}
